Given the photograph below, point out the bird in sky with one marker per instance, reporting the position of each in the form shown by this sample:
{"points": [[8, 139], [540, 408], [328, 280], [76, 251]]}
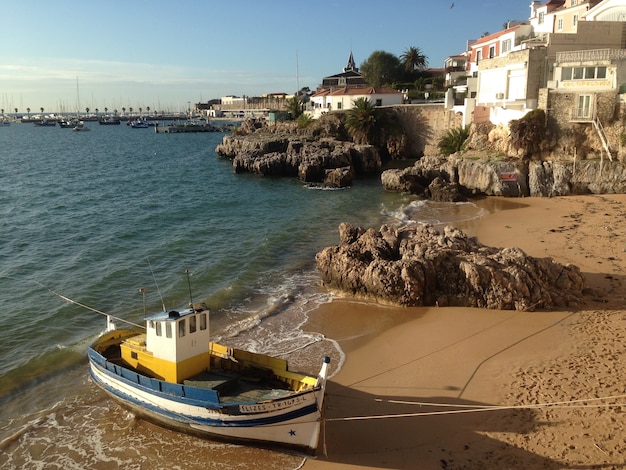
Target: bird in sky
{"points": [[452, 6]]}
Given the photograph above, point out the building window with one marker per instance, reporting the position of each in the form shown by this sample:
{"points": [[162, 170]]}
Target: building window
{"points": [[573, 3], [492, 52], [339, 105], [583, 73], [559, 24], [479, 55], [379, 102], [584, 106], [542, 17], [506, 45], [575, 21], [577, 73]]}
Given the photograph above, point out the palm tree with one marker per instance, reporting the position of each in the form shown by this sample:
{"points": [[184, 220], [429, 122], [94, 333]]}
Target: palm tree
{"points": [[123, 110], [16, 110], [361, 120], [28, 111], [41, 110], [413, 59], [294, 106]]}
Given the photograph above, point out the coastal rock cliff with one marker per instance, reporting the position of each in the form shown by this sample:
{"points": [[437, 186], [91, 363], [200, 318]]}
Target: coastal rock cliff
{"points": [[423, 267], [509, 178]]}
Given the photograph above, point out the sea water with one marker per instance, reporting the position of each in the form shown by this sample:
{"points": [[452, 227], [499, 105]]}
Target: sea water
{"points": [[127, 221]]}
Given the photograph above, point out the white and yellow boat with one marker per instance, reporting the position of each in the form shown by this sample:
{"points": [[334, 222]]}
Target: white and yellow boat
{"points": [[173, 374]]}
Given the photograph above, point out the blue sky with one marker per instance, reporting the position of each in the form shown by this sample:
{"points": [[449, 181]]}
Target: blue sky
{"points": [[164, 54]]}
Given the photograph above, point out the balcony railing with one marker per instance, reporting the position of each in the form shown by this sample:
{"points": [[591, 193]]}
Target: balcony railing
{"points": [[591, 55], [581, 114]]}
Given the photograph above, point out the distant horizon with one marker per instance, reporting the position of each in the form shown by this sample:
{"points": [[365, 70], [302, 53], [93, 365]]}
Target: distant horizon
{"points": [[163, 56]]}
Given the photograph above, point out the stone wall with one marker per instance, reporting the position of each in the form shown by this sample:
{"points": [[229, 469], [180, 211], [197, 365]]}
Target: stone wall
{"points": [[580, 140], [424, 125]]}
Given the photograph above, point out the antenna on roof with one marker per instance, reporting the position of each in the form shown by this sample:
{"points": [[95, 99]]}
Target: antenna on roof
{"points": [[189, 284], [297, 72]]}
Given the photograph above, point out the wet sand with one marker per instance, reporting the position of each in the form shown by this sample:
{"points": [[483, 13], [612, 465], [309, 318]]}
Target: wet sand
{"points": [[410, 392]]}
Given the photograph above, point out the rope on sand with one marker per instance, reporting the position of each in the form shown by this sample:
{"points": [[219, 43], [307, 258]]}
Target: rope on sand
{"points": [[459, 408]]}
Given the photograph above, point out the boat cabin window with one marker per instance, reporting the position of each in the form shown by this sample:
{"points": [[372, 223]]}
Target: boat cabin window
{"points": [[181, 328], [158, 328], [168, 330], [151, 323], [203, 321], [192, 324]]}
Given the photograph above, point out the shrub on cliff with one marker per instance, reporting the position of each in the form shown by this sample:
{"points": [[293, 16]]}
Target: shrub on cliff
{"points": [[453, 141], [529, 132]]}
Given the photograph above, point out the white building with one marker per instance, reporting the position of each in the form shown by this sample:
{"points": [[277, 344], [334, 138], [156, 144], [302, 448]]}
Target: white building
{"points": [[342, 99]]}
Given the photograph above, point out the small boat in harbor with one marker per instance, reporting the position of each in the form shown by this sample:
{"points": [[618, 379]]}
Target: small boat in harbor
{"points": [[109, 121], [170, 372], [139, 123], [80, 127], [67, 123]]}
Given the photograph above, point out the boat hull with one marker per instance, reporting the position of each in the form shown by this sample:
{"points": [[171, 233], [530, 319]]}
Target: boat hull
{"points": [[292, 421]]}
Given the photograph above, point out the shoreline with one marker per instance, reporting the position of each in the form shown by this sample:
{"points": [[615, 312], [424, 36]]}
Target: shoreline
{"points": [[468, 357]]}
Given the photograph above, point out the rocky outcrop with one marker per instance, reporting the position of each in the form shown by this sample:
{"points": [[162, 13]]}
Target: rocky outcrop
{"points": [[325, 161], [509, 178], [583, 177], [423, 267]]}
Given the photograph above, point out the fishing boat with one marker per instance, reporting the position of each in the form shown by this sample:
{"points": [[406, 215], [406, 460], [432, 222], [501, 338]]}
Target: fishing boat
{"points": [[172, 373]]}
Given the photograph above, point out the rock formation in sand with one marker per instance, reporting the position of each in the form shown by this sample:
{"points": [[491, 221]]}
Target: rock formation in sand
{"points": [[420, 266]]}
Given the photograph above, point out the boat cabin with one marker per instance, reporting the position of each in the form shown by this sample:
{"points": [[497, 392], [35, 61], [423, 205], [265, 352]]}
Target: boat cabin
{"points": [[174, 347]]}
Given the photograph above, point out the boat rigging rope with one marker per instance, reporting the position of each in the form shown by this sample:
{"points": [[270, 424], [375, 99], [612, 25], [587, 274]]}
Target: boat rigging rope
{"points": [[482, 408], [67, 299]]}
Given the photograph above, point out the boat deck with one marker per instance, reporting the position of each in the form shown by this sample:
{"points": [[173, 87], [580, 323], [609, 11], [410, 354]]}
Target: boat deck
{"points": [[235, 387], [250, 385]]}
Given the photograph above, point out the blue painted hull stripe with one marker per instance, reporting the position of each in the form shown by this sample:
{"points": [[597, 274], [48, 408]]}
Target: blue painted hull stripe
{"points": [[183, 418]]}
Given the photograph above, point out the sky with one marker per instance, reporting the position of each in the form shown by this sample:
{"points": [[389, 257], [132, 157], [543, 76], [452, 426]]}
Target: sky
{"points": [[65, 54]]}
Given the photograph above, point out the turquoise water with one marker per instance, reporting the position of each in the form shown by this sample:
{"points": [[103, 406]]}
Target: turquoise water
{"points": [[96, 216]]}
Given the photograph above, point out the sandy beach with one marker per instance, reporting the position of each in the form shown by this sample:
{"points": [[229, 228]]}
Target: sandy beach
{"points": [[417, 383]]}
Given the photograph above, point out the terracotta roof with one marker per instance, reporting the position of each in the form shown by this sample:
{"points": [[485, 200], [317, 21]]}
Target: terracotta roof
{"points": [[324, 92], [493, 36]]}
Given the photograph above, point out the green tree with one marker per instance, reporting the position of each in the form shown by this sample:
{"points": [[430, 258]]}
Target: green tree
{"points": [[381, 68], [413, 59], [294, 106], [361, 121]]}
